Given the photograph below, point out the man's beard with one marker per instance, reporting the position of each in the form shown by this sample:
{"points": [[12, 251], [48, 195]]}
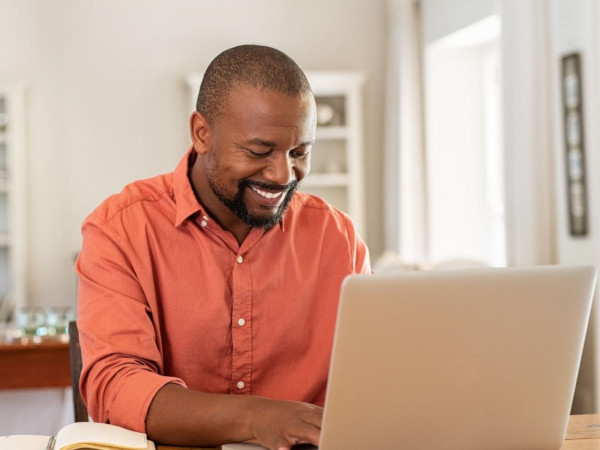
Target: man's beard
{"points": [[239, 208]]}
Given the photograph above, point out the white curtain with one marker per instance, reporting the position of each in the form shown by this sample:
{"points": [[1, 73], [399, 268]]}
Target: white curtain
{"points": [[405, 183]]}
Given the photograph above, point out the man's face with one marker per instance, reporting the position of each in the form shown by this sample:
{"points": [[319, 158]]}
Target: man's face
{"points": [[259, 149]]}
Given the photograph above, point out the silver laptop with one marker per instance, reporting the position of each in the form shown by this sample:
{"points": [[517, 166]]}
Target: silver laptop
{"points": [[469, 359]]}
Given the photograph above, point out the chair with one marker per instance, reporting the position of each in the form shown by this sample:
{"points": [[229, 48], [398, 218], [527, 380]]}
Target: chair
{"points": [[81, 414]]}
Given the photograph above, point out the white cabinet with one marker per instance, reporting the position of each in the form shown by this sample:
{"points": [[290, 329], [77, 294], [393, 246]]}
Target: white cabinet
{"points": [[336, 168], [13, 205]]}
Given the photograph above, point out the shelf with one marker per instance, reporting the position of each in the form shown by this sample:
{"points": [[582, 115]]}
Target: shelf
{"points": [[324, 132], [4, 240], [326, 180]]}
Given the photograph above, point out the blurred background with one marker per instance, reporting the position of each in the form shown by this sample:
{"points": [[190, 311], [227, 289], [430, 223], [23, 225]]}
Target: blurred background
{"points": [[457, 133]]}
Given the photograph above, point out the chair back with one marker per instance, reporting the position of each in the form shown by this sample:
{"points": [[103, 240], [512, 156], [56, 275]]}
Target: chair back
{"points": [[81, 414]]}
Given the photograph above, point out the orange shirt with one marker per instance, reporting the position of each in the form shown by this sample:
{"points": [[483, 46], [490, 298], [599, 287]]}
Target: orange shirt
{"points": [[166, 295]]}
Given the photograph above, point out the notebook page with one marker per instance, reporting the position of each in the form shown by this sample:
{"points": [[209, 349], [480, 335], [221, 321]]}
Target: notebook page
{"points": [[105, 435]]}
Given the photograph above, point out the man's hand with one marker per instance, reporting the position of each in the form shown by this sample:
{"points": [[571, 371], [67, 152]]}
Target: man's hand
{"points": [[179, 416], [280, 424]]}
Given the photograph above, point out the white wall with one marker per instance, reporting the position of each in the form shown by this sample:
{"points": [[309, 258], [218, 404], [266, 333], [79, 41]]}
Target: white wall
{"points": [[455, 154], [107, 101], [442, 17]]}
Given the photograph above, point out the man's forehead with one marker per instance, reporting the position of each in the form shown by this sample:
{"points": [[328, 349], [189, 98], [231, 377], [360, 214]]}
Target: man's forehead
{"points": [[245, 92], [270, 107]]}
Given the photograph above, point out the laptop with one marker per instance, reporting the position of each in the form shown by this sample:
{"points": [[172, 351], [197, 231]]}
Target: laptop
{"points": [[456, 359]]}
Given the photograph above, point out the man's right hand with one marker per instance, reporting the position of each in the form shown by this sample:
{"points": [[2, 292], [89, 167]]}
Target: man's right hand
{"points": [[179, 416], [279, 424]]}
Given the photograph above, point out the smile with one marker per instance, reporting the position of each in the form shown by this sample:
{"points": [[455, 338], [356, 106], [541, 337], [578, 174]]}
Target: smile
{"points": [[266, 194]]}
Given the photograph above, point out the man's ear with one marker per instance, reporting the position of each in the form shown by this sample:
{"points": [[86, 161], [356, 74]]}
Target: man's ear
{"points": [[200, 131]]}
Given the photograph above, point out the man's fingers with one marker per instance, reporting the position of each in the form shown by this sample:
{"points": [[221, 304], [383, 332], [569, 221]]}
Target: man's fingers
{"points": [[315, 418], [310, 434], [282, 424]]}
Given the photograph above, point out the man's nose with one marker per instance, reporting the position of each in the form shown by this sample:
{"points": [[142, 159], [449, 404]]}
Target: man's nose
{"points": [[280, 170]]}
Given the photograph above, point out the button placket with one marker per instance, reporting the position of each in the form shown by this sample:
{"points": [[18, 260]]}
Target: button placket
{"points": [[241, 332]]}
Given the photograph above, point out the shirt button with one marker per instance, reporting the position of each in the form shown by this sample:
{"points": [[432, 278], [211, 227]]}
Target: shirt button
{"points": [[241, 322], [203, 223], [240, 259], [240, 385]]}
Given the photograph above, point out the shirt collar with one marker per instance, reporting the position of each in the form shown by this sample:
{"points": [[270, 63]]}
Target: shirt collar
{"points": [[185, 200]]}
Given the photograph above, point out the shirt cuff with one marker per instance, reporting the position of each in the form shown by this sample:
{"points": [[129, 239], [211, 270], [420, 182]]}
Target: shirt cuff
{"points": [[131, 403]]}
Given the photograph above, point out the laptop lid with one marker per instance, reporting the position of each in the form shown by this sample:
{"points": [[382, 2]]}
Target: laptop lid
{"points": [[469, 359]]}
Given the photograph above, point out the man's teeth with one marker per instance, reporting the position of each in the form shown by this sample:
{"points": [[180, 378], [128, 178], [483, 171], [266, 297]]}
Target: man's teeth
{"points": [[266, 194]]}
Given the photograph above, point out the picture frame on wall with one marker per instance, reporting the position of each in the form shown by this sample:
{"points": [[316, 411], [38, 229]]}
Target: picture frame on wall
{"points": [[573, 131]]}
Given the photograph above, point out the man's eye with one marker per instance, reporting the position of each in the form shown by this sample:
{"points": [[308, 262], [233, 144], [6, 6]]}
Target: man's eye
{"points": [[299, 154], [258, 154]]}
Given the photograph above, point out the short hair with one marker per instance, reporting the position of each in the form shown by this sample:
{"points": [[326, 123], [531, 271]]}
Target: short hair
{"points": [[247, 65]]}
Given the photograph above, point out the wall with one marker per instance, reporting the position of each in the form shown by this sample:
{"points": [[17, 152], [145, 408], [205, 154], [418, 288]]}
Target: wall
{"points": [[455, 147], [107, 101], [443, 17]]}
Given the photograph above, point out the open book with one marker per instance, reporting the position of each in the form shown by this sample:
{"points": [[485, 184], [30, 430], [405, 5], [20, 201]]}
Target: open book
{"points": [[82, 435]]}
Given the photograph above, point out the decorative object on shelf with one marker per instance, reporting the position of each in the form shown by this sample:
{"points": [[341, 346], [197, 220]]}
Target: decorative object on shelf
{"points": [[37, 324], [31, 321], [57, 320], [331, 110], [325, 114], [574, 144]]}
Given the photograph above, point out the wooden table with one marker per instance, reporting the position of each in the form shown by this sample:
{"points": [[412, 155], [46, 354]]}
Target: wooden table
{"points": [[34, 365], [583, 434]]}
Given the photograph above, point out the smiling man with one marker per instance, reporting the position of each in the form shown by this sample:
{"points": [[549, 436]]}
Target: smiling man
{"points": [[208, 296]]}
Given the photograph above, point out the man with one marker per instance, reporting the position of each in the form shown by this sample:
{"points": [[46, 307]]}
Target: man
{"points": [[208, 296]]}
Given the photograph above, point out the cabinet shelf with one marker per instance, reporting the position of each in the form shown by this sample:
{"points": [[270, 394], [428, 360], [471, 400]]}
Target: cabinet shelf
{"points": [[326, 180], [4, 240], [338, 152], [328, 133]]}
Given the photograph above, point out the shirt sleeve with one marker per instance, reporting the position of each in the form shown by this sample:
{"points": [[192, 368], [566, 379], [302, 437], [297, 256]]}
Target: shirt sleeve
{"points": [[361, 261], [122, 362]]}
